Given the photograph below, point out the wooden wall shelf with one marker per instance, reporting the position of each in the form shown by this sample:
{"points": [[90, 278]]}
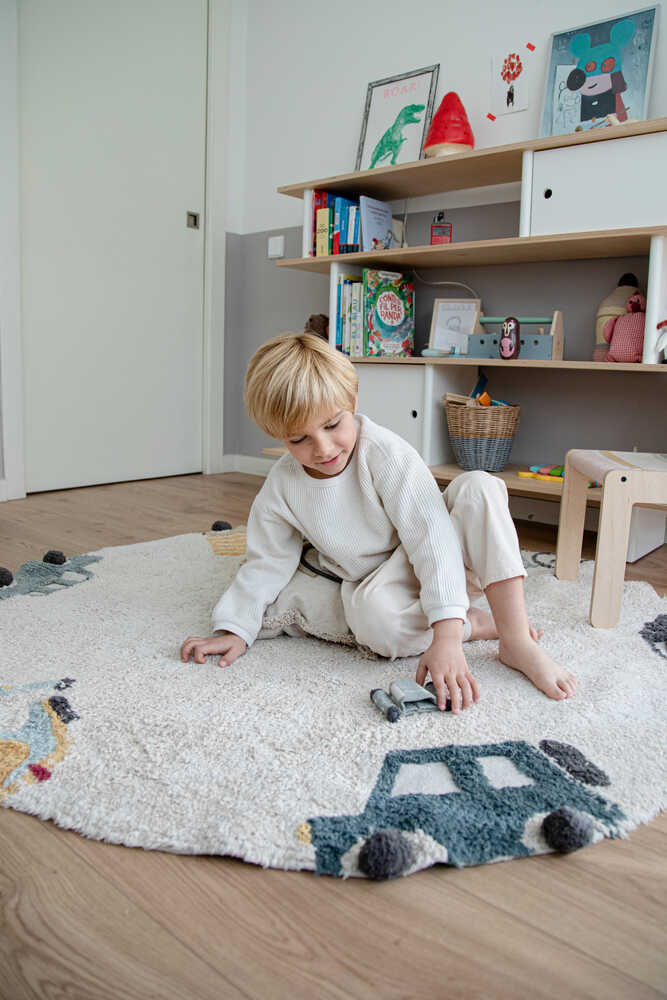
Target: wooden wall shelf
{"points": [[461, 171], [513, 250], [584, 366]]}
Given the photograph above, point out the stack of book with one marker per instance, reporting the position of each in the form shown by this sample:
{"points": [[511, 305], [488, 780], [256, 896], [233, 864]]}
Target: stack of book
{"points": [[343, 225], [375, 314], [335, 224]]}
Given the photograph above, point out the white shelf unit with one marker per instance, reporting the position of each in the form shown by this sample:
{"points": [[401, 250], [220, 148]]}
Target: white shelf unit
{"points": [[585, 196]]}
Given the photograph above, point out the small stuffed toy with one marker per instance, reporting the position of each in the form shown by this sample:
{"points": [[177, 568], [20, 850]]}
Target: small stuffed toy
{"points": [[318, 324], [625, 334]]}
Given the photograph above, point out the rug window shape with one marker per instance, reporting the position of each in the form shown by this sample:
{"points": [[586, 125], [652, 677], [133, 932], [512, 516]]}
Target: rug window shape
{"points": [[429, 778]]}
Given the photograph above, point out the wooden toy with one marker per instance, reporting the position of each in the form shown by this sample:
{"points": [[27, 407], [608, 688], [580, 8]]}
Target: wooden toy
{"points": [[522, 474], [538, 346], [510, 339]]}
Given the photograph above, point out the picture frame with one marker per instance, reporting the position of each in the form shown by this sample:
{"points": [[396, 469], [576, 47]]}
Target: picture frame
{"points": [[452, 321], [392, 130], [598, 70]]}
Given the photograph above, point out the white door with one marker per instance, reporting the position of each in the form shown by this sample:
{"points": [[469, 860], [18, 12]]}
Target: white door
{"points": [[112, 150]]}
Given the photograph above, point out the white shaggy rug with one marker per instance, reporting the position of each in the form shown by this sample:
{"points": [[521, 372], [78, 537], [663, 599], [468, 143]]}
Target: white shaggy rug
{"points": [[282, 759]]}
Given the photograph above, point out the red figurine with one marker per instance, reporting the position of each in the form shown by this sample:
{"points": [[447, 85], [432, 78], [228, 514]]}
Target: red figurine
{"points": [[510, 340]]}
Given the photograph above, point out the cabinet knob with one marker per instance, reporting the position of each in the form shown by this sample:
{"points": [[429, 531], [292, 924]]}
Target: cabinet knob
{"points": [[413, 413], [548, 192]]}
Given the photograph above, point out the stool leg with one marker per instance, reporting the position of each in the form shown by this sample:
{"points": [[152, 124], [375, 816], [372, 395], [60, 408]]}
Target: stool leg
{"points": [[611, 550], [571, 523]]}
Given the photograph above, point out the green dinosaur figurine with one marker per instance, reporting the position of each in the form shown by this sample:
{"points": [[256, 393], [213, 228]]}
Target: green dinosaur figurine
{"points": [[392, 140]]}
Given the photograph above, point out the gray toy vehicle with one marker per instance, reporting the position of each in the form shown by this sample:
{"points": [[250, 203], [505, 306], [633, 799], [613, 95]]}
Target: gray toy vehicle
{"points": [[406, 697]]}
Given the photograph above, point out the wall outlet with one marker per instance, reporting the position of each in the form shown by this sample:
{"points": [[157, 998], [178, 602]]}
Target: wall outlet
{"points": [[276, 246]]}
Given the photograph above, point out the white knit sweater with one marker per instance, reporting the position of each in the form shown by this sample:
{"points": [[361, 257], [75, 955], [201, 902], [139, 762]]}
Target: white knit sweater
{"points": [[385, 497]]}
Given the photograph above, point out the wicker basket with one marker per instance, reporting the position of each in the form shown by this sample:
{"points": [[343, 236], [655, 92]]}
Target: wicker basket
{"points": [[482, 436]]}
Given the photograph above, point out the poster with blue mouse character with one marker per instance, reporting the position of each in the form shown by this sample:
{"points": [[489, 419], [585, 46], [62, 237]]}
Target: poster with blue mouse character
{"points": [[599, 74]]}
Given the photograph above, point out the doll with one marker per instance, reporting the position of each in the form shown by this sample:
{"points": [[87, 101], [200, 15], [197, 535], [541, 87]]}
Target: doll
{"points": [[625, 334]]}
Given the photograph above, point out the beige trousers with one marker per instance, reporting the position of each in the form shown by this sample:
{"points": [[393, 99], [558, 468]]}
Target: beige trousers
{"points": [[384, 611]]}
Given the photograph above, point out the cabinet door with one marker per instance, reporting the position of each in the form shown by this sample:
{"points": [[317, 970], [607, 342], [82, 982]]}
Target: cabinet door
{"points": [[618, 184], [393, 395]]}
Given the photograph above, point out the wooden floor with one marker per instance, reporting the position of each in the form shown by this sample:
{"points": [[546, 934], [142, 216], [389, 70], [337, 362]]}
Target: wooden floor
{"points": [[83, 919]]}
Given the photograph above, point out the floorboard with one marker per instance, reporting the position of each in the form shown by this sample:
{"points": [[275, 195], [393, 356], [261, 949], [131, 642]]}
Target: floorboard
{"points": [[84, 919]]}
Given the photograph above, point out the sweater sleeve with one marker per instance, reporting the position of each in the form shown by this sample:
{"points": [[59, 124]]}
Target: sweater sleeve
{"points": [[415, 506], [273, 551]]}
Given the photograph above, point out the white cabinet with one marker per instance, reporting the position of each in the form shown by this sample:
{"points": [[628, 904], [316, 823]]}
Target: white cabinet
{"points": [[407, 398], [604, 185]]}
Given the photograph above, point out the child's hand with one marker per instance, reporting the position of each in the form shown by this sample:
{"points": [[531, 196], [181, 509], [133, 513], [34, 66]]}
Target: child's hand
{"points": [[229, 645], [446, 663]]}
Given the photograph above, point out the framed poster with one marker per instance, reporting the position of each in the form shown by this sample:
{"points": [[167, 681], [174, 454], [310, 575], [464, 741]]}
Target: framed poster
{"points": [[397, 115], [451, 323], [599, 74]]}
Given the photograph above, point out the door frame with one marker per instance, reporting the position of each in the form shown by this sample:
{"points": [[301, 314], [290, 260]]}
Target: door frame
{"points": [[12, 471]]}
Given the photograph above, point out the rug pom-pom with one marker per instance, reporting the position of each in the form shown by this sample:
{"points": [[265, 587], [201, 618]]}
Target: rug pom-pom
{"points": [[220, 526], [6, 576], [386, 854], [54, 556], [567, 829]]}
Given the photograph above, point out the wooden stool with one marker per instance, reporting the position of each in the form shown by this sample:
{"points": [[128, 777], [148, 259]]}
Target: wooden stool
{"points": [[627, 478]]}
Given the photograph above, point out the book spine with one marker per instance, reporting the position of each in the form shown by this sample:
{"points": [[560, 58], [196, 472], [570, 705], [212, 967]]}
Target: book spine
{"points": [[346, 315], [356, 337], [353, 236], [319, 201], [336, 226], [322, 243], [339, 315]]}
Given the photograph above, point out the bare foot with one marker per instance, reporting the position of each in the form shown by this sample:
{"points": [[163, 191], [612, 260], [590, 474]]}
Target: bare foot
{"points": [[533, 661], [484, 627]]}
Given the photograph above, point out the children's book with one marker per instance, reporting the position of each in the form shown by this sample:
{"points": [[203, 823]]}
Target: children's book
{"points": [[342, 335], [349, 237], [319, 201], [389, 314], [340, 223], [376, 224], [324, 219], [356, 320]]}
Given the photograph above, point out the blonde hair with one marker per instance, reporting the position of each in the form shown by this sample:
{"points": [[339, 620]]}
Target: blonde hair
{"points": [[295, 377]]}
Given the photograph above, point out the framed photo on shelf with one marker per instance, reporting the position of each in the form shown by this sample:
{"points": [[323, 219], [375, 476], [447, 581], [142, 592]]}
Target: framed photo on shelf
{"points": [[397, 115], [599, 74], [452, 321]]}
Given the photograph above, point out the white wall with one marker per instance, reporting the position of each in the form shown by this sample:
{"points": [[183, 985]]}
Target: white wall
{"points": [[308, 66]]}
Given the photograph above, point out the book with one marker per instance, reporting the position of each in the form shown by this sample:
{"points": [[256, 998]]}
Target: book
{"points": [[340, 223], [319, 201], [376, 224], [341, 316], [389, 314], [323, 232], [349, 284], [356, 320], [350, 233]]}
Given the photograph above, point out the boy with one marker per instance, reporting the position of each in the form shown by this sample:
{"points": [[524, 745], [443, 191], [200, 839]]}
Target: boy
{"points": [[406, 555]]}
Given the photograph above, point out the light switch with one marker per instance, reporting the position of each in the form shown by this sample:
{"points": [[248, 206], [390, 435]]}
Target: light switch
{"points": [[276, 246]]}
